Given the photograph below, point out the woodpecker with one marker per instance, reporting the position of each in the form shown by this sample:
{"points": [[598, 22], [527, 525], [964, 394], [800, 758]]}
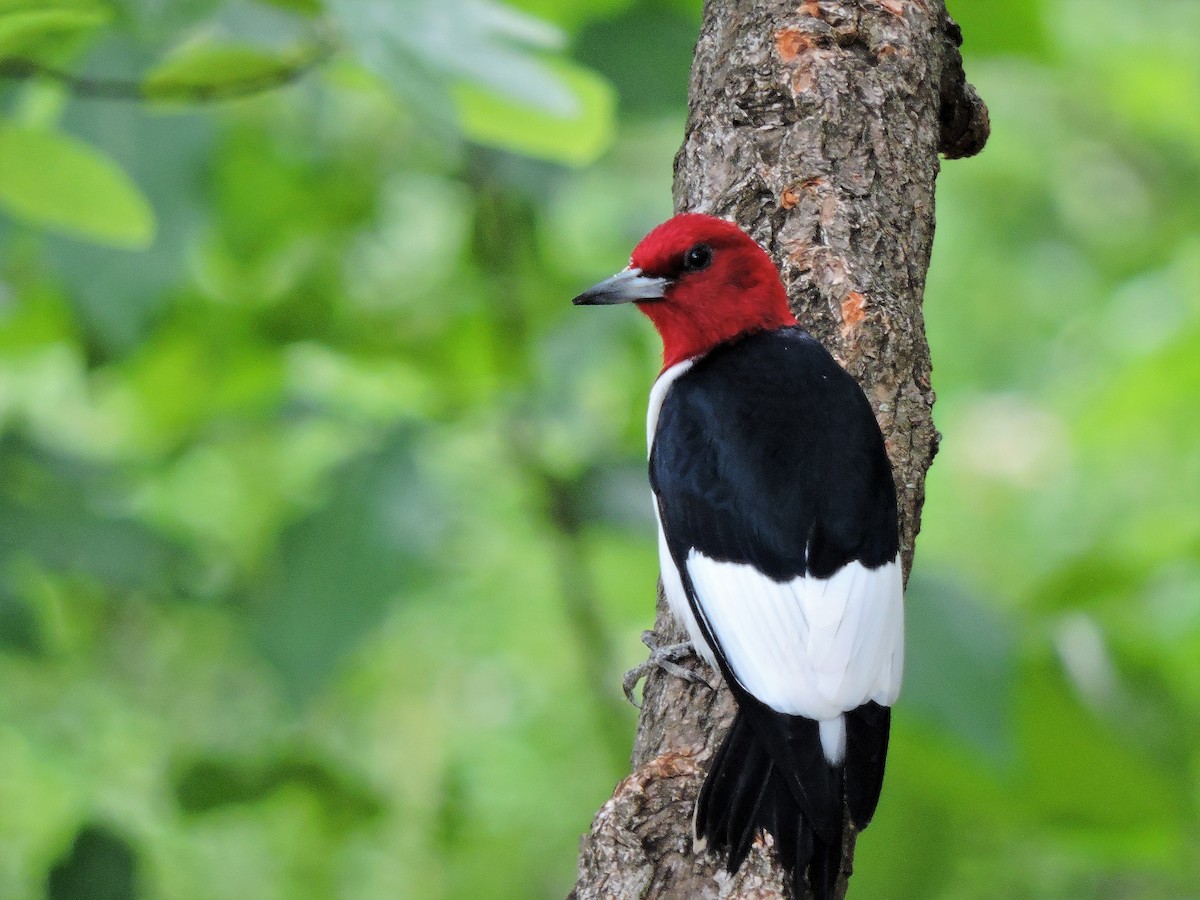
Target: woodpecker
{"points": [[778, 544]]}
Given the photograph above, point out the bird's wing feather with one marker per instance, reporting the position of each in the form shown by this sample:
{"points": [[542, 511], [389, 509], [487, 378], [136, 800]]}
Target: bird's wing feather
{"points": [[815, 647], [778, 511]]}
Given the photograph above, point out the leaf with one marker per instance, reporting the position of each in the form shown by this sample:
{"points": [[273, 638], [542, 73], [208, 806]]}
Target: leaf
{"points": [[56, 181], [477, 42], [207, 69], [23, 29], [575, 137], [168, 157]]}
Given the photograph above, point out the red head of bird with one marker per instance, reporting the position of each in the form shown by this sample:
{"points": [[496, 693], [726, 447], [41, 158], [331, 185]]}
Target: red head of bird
{"points": [[701, 281]]}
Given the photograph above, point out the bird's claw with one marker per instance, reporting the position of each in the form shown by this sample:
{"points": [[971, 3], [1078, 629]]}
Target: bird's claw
{"points": [[665, 657]]}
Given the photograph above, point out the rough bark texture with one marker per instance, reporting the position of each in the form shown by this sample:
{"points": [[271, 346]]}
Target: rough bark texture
{"points": [[817, 125]]}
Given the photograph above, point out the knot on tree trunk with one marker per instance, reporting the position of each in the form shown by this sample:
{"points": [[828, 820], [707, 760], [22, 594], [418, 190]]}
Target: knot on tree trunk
{"points": [[963, 115]]}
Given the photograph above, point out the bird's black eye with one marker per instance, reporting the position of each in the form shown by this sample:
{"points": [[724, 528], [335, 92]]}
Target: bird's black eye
{"points": [[697, 258]]}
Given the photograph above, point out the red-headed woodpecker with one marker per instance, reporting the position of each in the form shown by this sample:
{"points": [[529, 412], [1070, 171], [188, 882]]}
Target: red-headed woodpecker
{"points": [[778, 544]]}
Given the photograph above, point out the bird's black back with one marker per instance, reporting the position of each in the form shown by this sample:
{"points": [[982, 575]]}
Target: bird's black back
{"points": [[767, 452]]}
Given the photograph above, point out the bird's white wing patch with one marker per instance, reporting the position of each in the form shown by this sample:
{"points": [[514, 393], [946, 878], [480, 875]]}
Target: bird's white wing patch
{"points": [[809, 646], [676, 596]]}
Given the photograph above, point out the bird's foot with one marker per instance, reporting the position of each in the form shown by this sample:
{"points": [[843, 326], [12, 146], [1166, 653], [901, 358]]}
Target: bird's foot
{"points": [[666, 657]]}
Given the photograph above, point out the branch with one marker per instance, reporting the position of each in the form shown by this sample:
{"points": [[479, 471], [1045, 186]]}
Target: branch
{"points": [[134, 89], [816, 125]]}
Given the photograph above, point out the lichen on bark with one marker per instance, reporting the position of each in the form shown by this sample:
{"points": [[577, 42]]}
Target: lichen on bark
{"points": [[817, 126]]}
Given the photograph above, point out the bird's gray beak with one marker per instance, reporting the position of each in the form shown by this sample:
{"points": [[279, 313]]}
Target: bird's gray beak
{"points": [[627, 286]]}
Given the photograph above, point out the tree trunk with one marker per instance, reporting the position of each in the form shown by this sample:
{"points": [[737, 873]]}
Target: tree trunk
{"points": [[816, 125]]}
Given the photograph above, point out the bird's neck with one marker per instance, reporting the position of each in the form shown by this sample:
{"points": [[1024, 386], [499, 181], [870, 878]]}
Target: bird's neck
{"points": [[691, 331]]}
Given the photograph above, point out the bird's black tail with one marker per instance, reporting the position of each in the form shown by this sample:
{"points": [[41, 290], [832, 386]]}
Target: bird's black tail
{"points": [[770, 774], [867, 729]]}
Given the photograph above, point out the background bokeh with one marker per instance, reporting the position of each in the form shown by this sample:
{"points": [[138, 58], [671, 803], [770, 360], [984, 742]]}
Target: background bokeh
{"points": [[324, 535]]}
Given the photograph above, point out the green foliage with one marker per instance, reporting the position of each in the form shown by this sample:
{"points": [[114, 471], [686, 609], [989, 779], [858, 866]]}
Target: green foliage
{"points": [[576, 137], [50, 178], [308, 468], [484, 60], [28, 27], [206, 68]]}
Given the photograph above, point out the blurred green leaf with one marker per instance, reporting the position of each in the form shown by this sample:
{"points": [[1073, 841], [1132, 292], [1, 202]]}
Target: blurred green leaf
{"points": [[54, 180], [481, 42], [24, 24], [117, 295], [206, 68], [575, 137]]}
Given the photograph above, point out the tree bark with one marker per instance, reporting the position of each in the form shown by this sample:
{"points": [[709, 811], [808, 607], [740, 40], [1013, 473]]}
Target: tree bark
{"points": [[816, 125]]}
